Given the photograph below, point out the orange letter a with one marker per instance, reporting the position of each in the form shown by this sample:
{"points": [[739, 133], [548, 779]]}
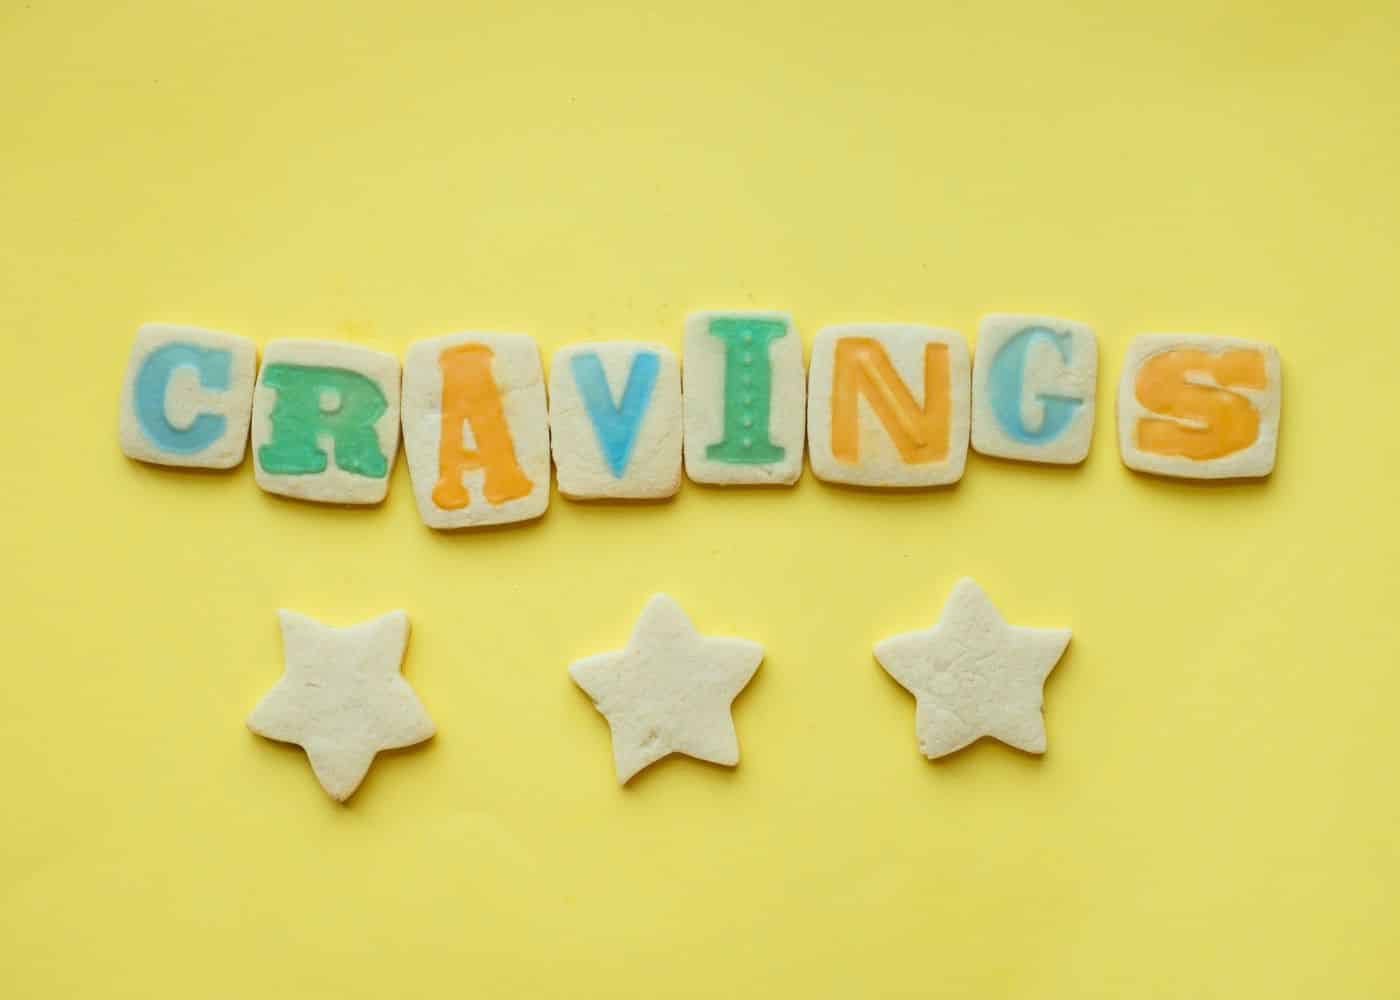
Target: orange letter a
{"points": [[863, 368], [470, 393]]}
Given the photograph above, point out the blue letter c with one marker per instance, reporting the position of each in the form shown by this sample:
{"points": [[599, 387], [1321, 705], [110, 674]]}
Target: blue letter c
{"points": [[152, 381]]}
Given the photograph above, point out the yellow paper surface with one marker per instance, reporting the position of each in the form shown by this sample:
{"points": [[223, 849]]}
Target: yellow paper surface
{"points": [[1217, 813]]}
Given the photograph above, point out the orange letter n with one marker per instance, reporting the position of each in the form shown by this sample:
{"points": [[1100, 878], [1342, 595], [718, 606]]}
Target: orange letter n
{"points": [[863, 368], [469, 393]]}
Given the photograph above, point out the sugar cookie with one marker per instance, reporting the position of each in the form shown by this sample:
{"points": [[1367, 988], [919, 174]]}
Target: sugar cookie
{"points": [[973, 675], [476, 429], [187, 397], [670, 690], [1033, 382], [325, 421], [342, 698], [615, 420], [745, 398], [889, 405], [1199, 407]]}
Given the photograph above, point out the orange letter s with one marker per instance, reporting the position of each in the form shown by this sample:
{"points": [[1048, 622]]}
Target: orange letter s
{"points": [[1209, 421]]}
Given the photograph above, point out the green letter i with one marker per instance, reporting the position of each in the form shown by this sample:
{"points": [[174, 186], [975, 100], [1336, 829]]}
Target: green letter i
{"points": [[748, 387]]}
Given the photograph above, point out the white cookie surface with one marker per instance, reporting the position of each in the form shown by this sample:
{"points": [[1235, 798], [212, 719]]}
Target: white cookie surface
{"points": [[745, 398], [1195, 406], [615, 420], [476, 429], [342, 698], [325, 421], [1033, 388], [187, 397], [670, 690], [872, 420], [973, 675]]}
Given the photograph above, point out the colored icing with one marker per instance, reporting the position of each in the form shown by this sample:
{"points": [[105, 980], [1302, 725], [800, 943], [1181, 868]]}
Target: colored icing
{"points": [[213, 367], [616, 426], [1208, 421], [314, 401], [1006, 384], [470, 394], [863, 368], [748, 389]]}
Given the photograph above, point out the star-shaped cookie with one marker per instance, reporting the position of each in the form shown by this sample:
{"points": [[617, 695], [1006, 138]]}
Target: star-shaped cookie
{"points": [[670, 690], [973, 675], [342, 698]]}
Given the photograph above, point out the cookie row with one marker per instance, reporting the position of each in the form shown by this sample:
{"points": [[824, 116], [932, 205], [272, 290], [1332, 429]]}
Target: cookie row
{"points": [[881, 405], [343, 699]]}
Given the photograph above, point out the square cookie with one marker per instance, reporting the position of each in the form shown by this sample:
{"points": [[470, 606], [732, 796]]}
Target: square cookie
{"points": [[889, 405], [745, 398], [1033, 384], [325, 421], [476, 429], [1194, 406], [615, 420], [187, 397]]}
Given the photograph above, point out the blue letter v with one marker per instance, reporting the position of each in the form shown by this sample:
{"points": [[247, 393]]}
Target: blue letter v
{"points": [[616, 426]]}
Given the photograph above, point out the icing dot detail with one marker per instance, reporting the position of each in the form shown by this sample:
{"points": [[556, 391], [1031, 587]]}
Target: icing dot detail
{"points": [[747, 389]]}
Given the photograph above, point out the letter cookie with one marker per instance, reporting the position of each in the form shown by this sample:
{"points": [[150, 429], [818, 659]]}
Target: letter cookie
{"points": [[745, 398], [326, 421], [615, 420], [1199, 407], [476, 429], [187, 397], [1033, 384], [889, 405]]}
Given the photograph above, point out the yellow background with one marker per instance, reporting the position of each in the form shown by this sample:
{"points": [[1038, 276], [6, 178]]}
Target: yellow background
{"points": [[1217, 813]]}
